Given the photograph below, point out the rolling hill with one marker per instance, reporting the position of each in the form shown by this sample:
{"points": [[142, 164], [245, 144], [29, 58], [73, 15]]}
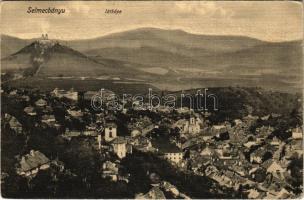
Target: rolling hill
{"points": [[166, 40], [174, 59], [51, 59], [200, 60], [10, 45]]}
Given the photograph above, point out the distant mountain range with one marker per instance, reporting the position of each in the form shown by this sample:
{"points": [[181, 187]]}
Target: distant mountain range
{"points": [[51, 59], [169, 59]]}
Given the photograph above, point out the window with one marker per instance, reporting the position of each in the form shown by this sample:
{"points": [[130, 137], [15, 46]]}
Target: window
{"points": [[110, 134]]}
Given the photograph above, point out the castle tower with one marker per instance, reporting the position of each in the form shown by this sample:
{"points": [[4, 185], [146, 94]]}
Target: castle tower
{"points": [[44, 36], [110, 132]]}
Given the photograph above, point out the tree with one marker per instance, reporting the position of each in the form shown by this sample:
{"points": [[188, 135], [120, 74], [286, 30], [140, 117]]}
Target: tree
{"points": [[296, 172]]}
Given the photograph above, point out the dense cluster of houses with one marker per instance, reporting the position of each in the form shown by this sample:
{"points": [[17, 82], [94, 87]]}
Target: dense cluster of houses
{"points": [[228, 153]]}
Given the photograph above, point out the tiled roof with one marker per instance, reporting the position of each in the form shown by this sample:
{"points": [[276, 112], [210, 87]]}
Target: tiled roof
{"points": [[14, 122], [119, 140], [111, 124], [164, 146], [33, 160], [29, 109], [41, 101]]}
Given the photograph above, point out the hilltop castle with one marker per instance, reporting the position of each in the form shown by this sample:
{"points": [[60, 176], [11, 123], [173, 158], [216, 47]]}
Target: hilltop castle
{"points": [[45, 41], [44, 37]]}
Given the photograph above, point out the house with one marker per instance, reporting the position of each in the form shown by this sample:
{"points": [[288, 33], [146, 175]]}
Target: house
{"points": [[30, 111], [266, 117], [31, 163], [69, 134], [110, 169], [154, 193], [249, 144], [207, 133], [135, 132], [175, 156], [110, 132], [186, 144], [249, 120], [75, 113], [108, 95], [236, 179], [279, 152], [88, 95], [207, 151], [237, 135], [294, 147], [275, 141], [13, 123], [141, 129], [48, 119], [263, 132], [91, 130], [225, 153], [168, 150], [297, 133], [146, 129], [191, 126], [259, 155], [280, 193], [47, 110], [237, 122], [58, 165], [25, 98], [253, 194], [71, 94], [217, 129], [198, 163], [183, 110], [41, 103], [142, 125], [143, 144], [4, 176], [276, 170], [168, 187], [13, 93], [120, 147], [164, 109], [221, 178]]}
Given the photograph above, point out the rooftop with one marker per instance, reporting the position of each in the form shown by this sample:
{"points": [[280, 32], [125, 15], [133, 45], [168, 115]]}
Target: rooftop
{"points": [[33, 160], [165, 146]]}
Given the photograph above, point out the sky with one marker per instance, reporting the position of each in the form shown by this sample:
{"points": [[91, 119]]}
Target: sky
{"points": [[269, 21]]}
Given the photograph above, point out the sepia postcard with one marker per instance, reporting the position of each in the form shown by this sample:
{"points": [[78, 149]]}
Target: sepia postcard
{"points": [[151, 99]]}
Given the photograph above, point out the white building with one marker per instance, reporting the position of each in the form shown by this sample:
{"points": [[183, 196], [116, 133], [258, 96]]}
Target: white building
{"points": [[120, 147], [175, 157], [168, 150], [297, 133]]}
